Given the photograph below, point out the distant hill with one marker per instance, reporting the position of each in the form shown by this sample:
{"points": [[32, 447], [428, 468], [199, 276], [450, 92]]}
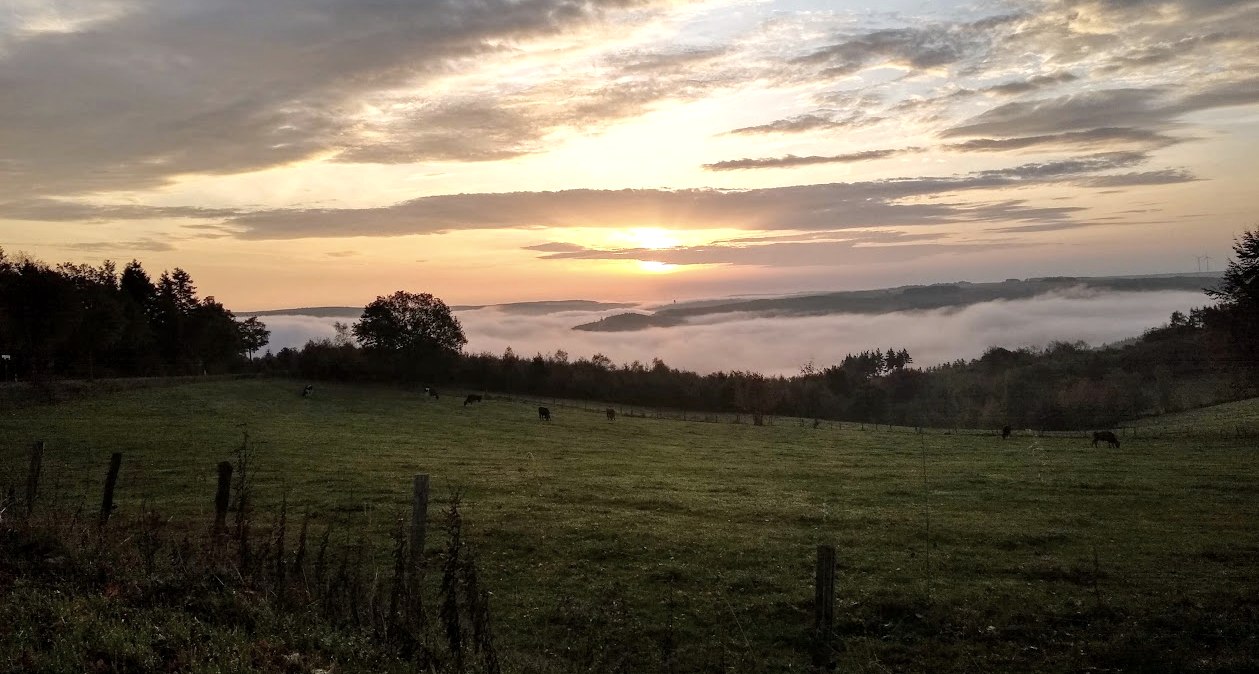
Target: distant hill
{"points": [[545, 307], [903, 298], [318, 312], [540, 308]]}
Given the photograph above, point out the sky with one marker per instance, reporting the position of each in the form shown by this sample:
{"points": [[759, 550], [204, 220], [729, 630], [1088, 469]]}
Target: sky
{"points": [[324, 152]]}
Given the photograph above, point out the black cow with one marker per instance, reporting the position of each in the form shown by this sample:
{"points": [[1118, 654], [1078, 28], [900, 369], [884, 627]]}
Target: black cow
{"points": [[308, 391], [471, 399], [544, 414], [1005, 432], [611, 413], [432, 392], [1107, 437]]}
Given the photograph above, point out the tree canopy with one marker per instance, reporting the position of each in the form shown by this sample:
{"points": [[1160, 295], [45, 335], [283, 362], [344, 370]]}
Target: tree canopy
{"points": [[81, 320], [1237, 313], [409, 323]]}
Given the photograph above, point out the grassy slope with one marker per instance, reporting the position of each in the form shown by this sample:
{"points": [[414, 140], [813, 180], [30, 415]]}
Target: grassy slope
{"points": [[1225, 417], [585, 526]]}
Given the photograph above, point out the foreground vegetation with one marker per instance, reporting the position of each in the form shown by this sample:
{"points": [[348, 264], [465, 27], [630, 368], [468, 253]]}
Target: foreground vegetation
{"points": [[655, 545]]}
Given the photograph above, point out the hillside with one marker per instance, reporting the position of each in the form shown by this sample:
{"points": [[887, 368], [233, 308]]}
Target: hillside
{"points": [[1231, 417], [644, 545], [905, 298]]}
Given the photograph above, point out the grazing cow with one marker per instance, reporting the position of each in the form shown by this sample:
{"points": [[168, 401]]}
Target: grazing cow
{"points": [[308, 391], [1107, 437], [544, 414], [611, 413], [432, 392], [471, 399], [1005, 432]]}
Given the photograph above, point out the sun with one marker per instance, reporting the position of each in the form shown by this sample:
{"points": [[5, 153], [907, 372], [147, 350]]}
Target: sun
{"points": [[656, 267], [653, 238]]}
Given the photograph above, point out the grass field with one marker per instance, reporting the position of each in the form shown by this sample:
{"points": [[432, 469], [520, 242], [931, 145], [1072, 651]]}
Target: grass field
{"points": [[637, 542], [1240, 417]]}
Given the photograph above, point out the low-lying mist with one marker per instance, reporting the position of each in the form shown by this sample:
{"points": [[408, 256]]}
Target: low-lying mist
{"points": [[780, 345]]}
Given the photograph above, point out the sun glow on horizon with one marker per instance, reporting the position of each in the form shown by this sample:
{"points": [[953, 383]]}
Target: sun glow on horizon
{"points": [[656, 267]]}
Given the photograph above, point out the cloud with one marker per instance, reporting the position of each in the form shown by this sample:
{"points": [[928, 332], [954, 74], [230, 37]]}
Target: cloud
{"points": [[290, 331], [1150, 109], [556, 247], [1074, 112], [448, 130], [226, 86], [152, 245], [832, 206], [57, 210], [918, 49], [873, 236], [821, 207], [811, 253], [1104, 136], [809, 122], [1098, 162], [728, 342], [1159, 54], [792, 160], [805, 207], [1163, 177], [1031, 84]]}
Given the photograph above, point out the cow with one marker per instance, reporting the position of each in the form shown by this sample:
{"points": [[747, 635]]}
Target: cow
{"points": [[308, 391], [1005, 432], [432, 393], [544, 414], [1107, 437], [471, 399], [611, 413]]}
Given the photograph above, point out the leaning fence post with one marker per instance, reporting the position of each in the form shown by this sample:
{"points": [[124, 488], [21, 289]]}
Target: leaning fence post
{"points": [[111, 480], [824, 608], [32, 476], [222, 497], [419, 518]]}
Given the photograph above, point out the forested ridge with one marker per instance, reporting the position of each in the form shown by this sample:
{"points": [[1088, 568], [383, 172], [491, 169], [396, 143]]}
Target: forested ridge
{"points": [[80, 320]]}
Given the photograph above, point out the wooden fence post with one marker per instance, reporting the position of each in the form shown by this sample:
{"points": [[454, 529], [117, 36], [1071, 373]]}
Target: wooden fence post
{"points": [[111, 480], [419, 519], [32, 475], [824, 609], [222, 497]]}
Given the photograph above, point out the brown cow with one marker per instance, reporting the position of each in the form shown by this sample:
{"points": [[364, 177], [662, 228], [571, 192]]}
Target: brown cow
{"points": [[611, 413], [1107, 437], [471, 399], [1005, 432], [544, 414]]}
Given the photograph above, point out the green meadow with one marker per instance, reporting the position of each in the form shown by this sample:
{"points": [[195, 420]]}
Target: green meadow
{"points": [[642, 544]]}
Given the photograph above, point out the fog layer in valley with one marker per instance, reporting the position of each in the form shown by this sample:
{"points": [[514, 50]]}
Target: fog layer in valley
{"points": [[782, 345]]}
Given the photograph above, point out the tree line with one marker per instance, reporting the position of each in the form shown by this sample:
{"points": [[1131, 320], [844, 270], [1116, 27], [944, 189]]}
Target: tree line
{"points": [[1207, 356], [79, 320]]}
